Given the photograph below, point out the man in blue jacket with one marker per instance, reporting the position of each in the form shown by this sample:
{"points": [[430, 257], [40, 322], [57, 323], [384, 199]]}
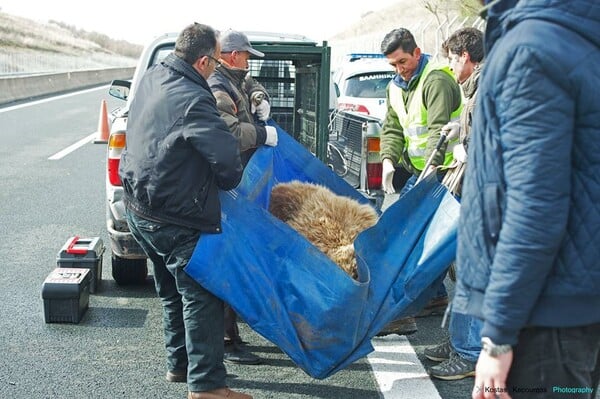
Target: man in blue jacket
{"points": [[528, 246], [179, 155]]}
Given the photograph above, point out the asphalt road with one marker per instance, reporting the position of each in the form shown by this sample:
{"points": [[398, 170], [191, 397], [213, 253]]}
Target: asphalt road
{"points": [[116, 351]]}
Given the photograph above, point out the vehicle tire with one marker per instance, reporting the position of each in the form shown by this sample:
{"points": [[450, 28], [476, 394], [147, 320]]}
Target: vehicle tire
{"points": [[129, 271]]}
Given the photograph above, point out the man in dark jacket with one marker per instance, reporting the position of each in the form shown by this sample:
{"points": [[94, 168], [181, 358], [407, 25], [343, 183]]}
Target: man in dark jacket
{"points": [[179, 155], [528, 254], [238, 94]]}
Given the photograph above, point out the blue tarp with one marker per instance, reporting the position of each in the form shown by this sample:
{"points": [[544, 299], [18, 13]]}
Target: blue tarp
{"points": [[296, 297]]}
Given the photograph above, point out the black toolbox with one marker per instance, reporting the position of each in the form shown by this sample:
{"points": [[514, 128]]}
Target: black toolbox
{"points": [[83, 253], [66, 294]]}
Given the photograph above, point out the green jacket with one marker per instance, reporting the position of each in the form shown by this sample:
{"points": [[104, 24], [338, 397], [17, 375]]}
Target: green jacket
{"points": [[441, 98]]}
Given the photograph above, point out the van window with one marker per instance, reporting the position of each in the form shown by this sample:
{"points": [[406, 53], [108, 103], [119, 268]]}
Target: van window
{"points": [[161, 53]]}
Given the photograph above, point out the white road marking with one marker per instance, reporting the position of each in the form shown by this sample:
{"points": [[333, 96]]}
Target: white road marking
{"points": [[398, 371], [72, 147], [45, 100]]}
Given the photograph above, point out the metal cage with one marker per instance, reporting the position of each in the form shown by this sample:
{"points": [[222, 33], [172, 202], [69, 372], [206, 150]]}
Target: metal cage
{"points": [[296, 74]]}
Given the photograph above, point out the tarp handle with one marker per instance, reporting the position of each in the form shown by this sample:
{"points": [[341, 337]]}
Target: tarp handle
{"points": [[75, 251]]}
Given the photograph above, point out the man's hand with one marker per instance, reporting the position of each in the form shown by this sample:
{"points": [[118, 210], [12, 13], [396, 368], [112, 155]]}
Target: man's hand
{"points": [[271, 136], [490, 376], [387, 176], [451, 130], [257, 97], [459, 153], [260, 106]]}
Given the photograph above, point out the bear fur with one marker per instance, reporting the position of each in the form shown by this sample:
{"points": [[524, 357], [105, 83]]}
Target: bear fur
{"points": [[331, 222]]}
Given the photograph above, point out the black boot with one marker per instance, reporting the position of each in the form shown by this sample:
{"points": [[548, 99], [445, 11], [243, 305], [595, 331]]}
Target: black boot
{"points": [[236, 354]]}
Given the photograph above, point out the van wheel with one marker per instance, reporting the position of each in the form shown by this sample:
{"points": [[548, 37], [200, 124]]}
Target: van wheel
{"points": [[129, 271]]}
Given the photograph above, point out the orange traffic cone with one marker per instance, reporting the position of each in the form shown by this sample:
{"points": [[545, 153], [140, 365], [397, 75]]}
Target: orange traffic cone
{"points": [[103, 130]]}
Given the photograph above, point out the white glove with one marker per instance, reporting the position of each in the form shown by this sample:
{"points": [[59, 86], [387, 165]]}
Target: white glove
{"points": [[271, 136], [459, 153], [452, 130], [387, 176], [262, 110]]}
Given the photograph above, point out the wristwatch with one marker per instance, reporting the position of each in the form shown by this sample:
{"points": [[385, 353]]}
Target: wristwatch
{"points": [[492, 349]]}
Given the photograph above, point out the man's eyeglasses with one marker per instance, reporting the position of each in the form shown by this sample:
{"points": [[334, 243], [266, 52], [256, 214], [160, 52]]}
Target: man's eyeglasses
{"points": [[217, 62]]}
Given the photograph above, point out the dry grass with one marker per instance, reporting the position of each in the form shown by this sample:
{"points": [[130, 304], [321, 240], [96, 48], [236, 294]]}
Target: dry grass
{"points": [[28, 46], [23, 33], [404, 13], [429, 30]]}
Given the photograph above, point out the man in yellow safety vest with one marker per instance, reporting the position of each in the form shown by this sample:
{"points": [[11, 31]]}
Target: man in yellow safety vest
{"points": [[421, 99]]}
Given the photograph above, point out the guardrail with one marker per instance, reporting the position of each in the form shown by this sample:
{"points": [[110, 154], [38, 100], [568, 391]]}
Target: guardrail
{"points": [[15, 88]]}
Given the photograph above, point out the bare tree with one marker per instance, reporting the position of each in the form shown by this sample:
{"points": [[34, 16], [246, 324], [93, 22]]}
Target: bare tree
{"points": [[470, 8], [449, 15], [442, 10]]}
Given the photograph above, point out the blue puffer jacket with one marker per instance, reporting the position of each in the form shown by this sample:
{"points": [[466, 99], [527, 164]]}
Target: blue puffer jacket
{"points": [[529, 233]]}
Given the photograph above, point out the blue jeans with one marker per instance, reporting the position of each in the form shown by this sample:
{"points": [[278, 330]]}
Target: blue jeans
{"points": [[465, 335], [410, 183], [465, 330], [192, 316]]}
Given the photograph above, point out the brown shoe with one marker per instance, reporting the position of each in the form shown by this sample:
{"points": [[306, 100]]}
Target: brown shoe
{"points": [[218, 394], [405, 326], [176, 376], [436, 306]]}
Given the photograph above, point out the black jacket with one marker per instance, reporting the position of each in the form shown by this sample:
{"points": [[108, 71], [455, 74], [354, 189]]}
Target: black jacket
{"points": [[179, 151]]}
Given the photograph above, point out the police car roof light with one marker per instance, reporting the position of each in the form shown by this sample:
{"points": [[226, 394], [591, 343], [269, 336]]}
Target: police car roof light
{"points": [[357, 56]]}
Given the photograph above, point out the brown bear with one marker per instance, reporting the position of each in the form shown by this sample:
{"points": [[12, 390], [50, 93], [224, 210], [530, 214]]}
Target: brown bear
{"points": [[331, 222]]}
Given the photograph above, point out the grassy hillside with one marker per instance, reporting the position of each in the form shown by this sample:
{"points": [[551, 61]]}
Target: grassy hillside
{"points": [[410, 13], [29, 46], [404, 13]]}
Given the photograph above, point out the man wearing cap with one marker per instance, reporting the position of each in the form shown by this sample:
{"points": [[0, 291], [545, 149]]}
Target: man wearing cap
{"points": [[239, 96]]}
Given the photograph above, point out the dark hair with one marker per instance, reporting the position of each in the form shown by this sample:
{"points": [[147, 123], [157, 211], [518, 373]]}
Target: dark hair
{"points": [[398, 38], [194, 41], [465, 39]]}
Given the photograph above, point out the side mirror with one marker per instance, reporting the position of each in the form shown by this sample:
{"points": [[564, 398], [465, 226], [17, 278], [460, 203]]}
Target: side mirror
{"points": [[120, 89]]}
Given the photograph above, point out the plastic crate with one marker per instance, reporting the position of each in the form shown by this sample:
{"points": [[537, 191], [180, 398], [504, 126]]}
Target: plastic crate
{"points": [[83, 253], [66, 293]]}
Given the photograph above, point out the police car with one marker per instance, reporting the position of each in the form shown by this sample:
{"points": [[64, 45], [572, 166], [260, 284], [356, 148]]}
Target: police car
{"points": [[362, 81]]}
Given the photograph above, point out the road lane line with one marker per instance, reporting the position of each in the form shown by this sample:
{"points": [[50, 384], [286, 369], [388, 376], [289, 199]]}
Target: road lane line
{"points": [[398, 370], [72, 147], [45, 100]]}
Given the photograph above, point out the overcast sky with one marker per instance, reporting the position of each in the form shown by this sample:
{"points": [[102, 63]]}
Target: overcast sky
{"points": [[138, 23]]}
